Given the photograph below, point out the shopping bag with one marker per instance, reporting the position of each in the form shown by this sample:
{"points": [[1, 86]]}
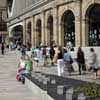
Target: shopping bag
{"points": [[75, 66]]}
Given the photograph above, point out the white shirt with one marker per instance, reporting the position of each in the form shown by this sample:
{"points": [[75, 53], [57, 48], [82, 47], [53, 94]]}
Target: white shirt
{"points": [[67, 56], [37, 53]]}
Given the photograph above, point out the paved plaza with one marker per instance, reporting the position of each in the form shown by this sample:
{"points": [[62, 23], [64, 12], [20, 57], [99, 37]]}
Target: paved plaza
{"points": [[52, 70], [10, 88]]}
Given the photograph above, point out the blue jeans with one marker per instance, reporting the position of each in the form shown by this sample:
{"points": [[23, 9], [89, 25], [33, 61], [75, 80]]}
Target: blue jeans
{"points": [[22, 74]]}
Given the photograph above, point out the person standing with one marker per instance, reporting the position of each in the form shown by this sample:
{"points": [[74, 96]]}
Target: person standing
{"points": [[28, 69], [23, 51], [44, 55], [52, 53], [68, 61], [92, 60], [2, 48], [80, 60], [37, 55], [28, 65], [69, 45], [60, 63]]}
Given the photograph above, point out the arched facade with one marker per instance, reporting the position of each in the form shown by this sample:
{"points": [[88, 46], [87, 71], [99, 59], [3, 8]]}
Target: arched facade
{"points": [[17, 34], [60, 21], [86, 9], [93, 23], [68, 27]]}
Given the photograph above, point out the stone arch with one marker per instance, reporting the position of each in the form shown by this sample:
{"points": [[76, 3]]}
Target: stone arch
{"points": [[50, 29], [61, 11], [87, 6], [69, 8], [38, 32], [92, 21], [11, 27], [17, 34], [68, 27]]}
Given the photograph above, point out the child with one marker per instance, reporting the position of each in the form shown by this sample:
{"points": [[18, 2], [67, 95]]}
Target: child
{"points": [[21, 68], [28, 65]]}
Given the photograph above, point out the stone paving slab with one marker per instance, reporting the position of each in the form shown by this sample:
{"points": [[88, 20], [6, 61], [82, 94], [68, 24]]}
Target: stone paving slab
{"points": [[10, 88]]}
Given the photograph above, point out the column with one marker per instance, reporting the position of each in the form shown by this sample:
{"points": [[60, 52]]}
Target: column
{"points": [[33, 32], [78, 30], [85, 32], [55, 24], [43, 28], [24, 31], [60, 35], [46, 30]]}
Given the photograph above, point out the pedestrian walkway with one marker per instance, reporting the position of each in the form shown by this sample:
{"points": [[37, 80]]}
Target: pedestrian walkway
{"points": [[10, 88], [74, 75]]}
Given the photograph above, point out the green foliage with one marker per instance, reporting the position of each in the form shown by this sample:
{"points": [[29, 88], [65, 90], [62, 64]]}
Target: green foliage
{"points": [[91, 90]]}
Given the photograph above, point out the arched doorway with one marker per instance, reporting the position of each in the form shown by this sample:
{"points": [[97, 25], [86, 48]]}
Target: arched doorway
{"points": [[50, 30], [28, 37], [17, 34], [93, 16], [68, 27], [38, 31]]}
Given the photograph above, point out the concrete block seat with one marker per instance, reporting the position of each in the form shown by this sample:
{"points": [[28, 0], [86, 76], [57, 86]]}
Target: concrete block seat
{"points": [[57, 88]]}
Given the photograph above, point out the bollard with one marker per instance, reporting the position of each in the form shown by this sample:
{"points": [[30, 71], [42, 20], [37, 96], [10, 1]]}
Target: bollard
{"points": [[69, 94], [60, 89], [81, 97]]}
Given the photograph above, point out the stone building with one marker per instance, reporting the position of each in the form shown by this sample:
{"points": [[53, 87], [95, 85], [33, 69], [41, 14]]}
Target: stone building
{"points": [[59, 21], [3, 17]]}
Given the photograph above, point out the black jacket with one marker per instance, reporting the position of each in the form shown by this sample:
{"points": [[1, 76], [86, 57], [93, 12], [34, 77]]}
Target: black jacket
{"points": [[80, 58]]}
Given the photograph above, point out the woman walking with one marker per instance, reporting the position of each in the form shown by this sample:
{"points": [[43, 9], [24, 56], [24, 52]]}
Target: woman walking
{"points": [[52, 53], [80, 60], [92, 60], [60, 63], [68, 61]]}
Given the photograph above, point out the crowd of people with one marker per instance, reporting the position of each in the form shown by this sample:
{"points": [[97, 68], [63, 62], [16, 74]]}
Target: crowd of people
{"points": [[64, 58], [60, 55]]}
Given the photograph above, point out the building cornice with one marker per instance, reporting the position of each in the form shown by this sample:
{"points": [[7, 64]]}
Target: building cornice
{"points": [[48, 3], [30, 8]]}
